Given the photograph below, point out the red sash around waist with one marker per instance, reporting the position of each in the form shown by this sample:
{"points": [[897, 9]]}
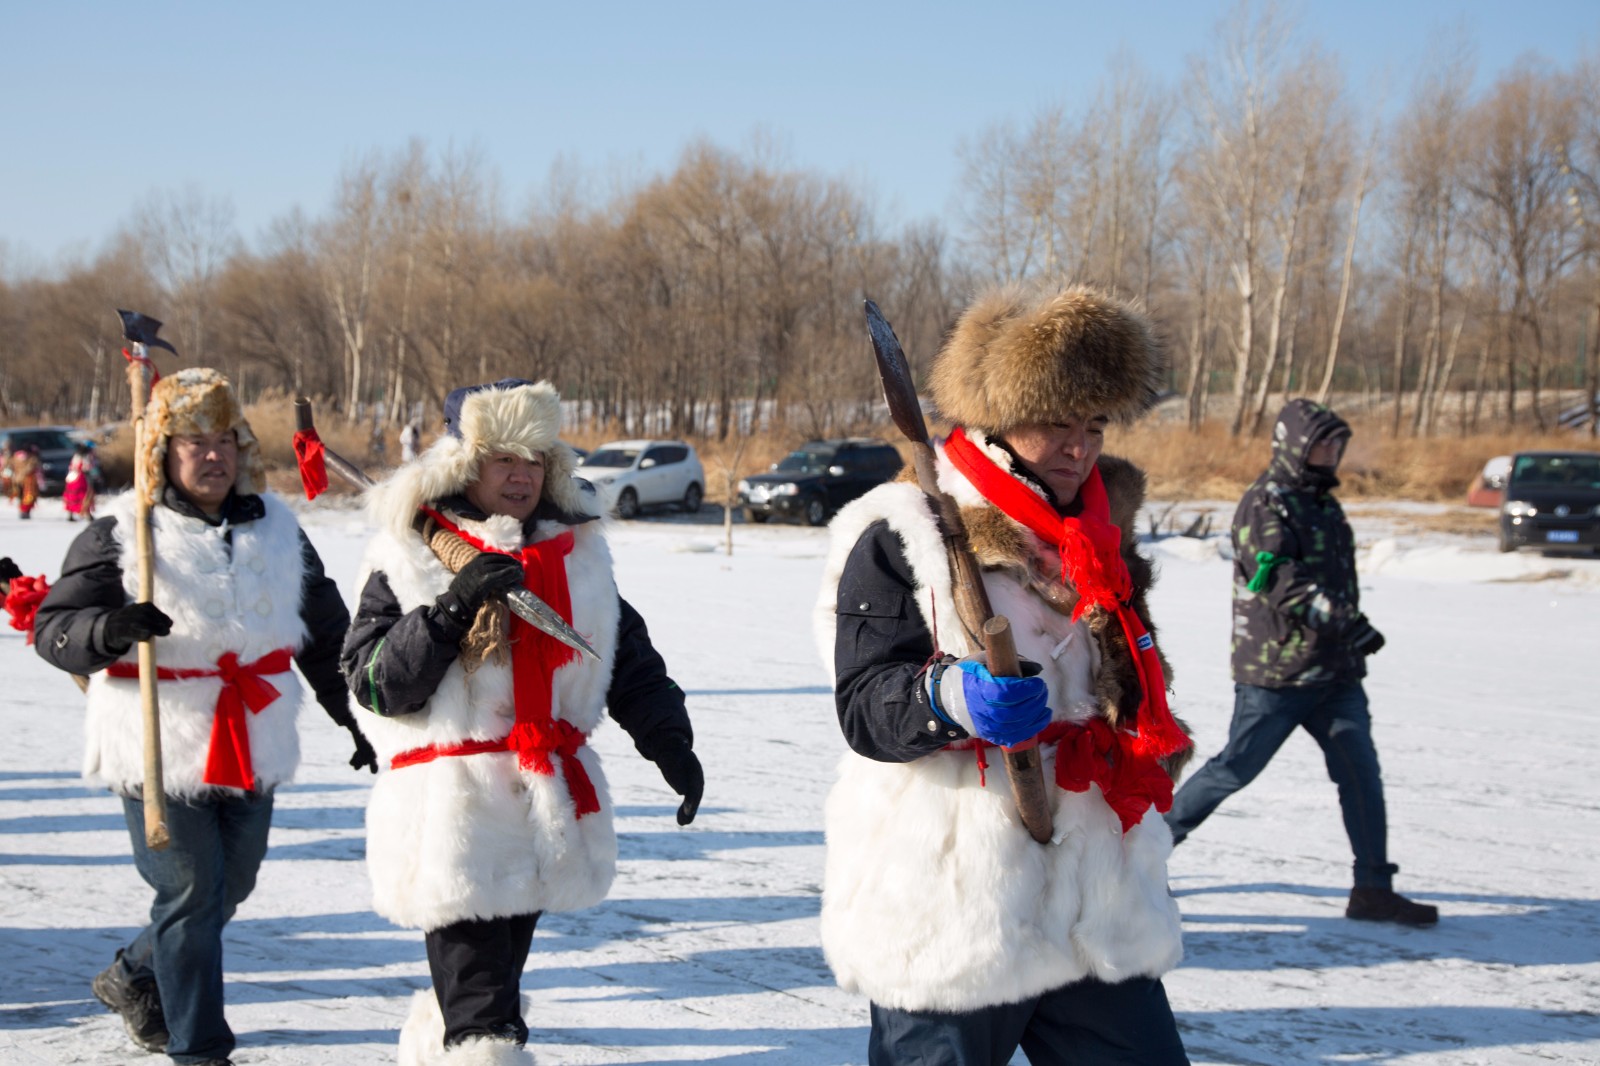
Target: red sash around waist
{"points": [[1131, 780], [559, 737], [243, 686]]}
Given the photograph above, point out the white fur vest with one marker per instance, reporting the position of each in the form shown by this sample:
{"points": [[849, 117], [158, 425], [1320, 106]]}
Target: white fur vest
{"points": [[244, 599], [935, 897], [476, 836]]}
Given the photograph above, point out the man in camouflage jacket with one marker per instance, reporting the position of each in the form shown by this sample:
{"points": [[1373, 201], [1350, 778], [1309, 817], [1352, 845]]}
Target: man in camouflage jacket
{"points": [[1300, 644]]}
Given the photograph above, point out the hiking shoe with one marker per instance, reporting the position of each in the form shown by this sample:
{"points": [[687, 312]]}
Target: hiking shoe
{"points": [[137, 1002], [1387, 905]]}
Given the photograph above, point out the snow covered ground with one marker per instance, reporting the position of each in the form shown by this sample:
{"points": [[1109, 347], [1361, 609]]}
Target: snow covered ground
{"points": [[1485, 709]]}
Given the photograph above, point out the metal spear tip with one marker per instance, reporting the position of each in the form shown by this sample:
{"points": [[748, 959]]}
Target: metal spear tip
{"points": [[141, 329]]}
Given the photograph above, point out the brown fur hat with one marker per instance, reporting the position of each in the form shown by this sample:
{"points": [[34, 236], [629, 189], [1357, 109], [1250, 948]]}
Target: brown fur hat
{"points": [[1016, 357], [197, 400]]}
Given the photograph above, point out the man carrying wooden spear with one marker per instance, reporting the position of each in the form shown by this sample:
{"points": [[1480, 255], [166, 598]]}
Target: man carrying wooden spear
{"points": [[940, 904], [239, 592]]}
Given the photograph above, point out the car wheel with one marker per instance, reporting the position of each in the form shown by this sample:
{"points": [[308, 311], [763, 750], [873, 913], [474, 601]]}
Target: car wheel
{"points": [[816, 512], [1504, 542], [692, 498], [628, 504], [755, 516]]}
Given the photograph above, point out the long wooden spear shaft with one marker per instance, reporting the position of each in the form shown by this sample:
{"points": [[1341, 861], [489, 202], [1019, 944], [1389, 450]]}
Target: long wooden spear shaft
{"points": [[141, 331], [156, 836], [1023, 764]]}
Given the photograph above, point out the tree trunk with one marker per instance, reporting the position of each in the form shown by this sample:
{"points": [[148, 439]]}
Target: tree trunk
{"points": [[1344, 283]]}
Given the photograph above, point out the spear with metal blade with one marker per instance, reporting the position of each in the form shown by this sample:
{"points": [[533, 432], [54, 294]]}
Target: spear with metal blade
{"points": [[140, 331], [445, 544], [1023, 763]]}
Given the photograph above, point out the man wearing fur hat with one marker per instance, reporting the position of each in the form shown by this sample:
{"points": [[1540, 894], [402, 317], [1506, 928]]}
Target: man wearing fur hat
{"points": [[492, 808], [969, 938], [239, 594]]}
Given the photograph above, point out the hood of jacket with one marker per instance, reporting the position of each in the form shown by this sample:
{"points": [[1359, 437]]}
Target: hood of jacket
{"points": [[1301, 424]]}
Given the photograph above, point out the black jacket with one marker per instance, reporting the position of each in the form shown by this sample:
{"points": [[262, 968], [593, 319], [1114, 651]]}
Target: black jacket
{"points": [[394, 660], [1292, 542], [880, 655], [69, 630]]}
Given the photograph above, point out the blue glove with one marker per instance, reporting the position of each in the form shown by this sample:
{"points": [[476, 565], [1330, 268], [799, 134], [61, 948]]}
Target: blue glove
{"points": [[1002, 710]]}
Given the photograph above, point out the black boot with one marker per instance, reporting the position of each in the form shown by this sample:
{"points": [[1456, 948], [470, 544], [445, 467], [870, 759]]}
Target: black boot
{"points": [[1387, 905], [137, 1001]]}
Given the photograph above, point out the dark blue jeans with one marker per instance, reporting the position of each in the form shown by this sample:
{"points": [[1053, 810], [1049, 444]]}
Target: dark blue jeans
{"points": [[1336, 717], [200, 879], [1087, 1023]]}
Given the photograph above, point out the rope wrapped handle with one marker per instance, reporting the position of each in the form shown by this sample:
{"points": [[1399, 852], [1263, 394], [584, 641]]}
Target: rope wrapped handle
{"points": [[488, 636]]}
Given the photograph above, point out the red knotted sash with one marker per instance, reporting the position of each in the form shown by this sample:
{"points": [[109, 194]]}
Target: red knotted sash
{"points": [[23, 598], [535, 656], [310, 456], [1092, 753], [1090, 548], [243, 686]]}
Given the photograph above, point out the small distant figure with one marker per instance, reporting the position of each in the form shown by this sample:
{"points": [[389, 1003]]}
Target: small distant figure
{"points": [[410, 437], [26, 473], [376, 445], [78, 495]]}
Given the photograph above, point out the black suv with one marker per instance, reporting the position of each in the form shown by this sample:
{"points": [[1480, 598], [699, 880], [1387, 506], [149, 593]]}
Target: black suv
{"points": [[818, 478], [1552, 501]]}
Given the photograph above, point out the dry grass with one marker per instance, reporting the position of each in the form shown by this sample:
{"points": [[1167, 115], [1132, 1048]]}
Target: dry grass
{"points": [[1211, 465], [1182, 465]]}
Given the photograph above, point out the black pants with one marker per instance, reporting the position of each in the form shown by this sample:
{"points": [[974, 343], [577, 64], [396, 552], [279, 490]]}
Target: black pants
{"points": [[477, 976], [1087, 1023]]}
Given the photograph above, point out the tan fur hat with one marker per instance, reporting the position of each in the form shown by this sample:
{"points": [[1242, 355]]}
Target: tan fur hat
{"points": [[1017, 357], [194, 401]]}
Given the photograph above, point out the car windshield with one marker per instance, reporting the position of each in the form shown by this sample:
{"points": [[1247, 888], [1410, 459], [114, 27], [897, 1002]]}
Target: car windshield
{"points": [[1553, 471], [613, 457], [802, 463], [44, 439]]}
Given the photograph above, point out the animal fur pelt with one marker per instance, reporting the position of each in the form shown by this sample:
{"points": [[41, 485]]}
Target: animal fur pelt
{"points": [[1017, 358], [197, 400]]}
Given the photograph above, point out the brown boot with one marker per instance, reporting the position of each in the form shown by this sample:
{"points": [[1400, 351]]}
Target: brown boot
{"points": [[1387, 905]]}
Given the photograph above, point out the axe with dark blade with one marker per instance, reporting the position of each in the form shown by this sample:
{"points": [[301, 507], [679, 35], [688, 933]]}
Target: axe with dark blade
{"points": [[524, 604], [140, 331], [1023, 764]]}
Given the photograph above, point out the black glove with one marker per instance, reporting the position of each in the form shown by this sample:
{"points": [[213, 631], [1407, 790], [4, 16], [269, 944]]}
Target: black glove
{"points": [[8, 569], [682, 771], [1365, 639], [485, 576], [364, 755], [127, 626]]}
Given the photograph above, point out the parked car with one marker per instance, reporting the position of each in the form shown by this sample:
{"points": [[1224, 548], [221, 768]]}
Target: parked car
{"points": [[1552, 501], [1488, 488], [631, 475], [55, 451], [818, 478]]}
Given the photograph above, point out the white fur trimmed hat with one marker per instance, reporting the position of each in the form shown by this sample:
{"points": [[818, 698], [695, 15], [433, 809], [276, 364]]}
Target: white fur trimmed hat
{"points": [[512, 415], [197, 400], [1017, 357]]}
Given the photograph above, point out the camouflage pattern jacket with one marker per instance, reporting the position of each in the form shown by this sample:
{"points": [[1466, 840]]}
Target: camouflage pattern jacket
{"points": [[1295, 598]]}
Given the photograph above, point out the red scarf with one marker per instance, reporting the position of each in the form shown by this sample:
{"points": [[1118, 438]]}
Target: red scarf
{"points": [[228, 757], [535, 656], [1090, 548]]}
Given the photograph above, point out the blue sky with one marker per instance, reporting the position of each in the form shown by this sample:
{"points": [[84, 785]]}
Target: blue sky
{"points": [[263, 104]]}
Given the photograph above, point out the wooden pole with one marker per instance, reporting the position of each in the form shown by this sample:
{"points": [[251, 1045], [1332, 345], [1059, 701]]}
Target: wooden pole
{"points": [[155, 794]]}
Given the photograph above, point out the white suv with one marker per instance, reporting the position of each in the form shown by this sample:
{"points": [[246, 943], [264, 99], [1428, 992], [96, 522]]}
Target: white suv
{"points": [[634, 474]]}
